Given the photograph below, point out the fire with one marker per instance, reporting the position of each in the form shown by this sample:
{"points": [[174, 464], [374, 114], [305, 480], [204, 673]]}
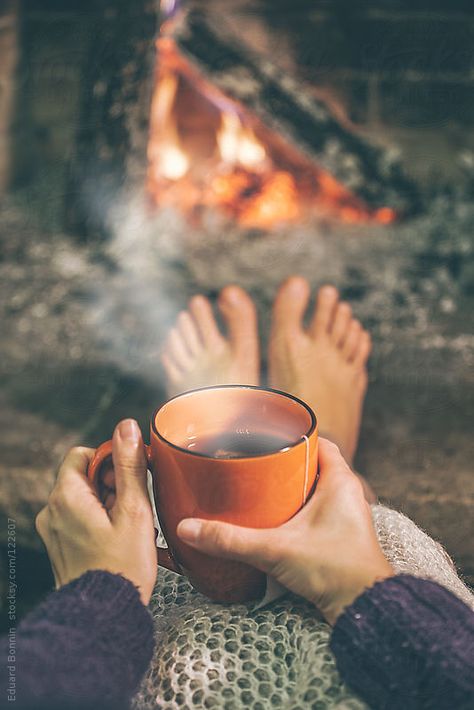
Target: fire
{"points": [[237, 144], [203, 152], [165, 156]]}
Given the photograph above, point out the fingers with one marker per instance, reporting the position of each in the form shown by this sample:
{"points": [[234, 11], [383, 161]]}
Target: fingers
{"points": [[337, 480], [108, 476], [72, 489], [76, 462], [334, 473], [128, 453], [262, 548], [256, 547], [109, 500], [106, 486], [329, 455], [42, 523]]}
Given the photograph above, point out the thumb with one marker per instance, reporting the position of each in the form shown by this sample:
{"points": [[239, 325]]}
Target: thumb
{"points": [[233, 542], [128, 454]]}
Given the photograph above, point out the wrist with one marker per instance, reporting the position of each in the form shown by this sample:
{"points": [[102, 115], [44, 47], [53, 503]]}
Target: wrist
{"points": [[354, 587]]}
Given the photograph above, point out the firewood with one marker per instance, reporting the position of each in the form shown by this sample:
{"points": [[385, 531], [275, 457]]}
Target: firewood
{"points": [[289, 108]]}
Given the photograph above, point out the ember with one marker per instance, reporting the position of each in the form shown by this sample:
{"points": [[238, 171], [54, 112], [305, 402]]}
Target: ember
{"points": [[206, 152]]}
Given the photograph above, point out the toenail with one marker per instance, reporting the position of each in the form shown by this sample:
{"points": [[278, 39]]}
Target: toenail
{"points": [[230, 295], [297, 284], [197, 300], [328, 290]]}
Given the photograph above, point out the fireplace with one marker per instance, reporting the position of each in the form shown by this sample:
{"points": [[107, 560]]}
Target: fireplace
{"points": [[215, 147], [104, 240], [206, 124], [208, 151]]}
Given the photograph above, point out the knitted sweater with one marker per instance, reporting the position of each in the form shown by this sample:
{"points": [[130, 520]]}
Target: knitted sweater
{"points": [[407, 643], [86, 646], [404, 643]]}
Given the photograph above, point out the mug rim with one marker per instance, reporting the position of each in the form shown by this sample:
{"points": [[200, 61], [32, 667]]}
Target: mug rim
{"points": [[308, 433]]}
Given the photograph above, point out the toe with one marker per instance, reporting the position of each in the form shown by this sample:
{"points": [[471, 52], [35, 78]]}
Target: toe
{"points": [[189, 332], [176, 349], [240, 316], [352, 341], [324, 311], [341, 323], [290, 304], [363, 351], [201, 311], [172, 372]]}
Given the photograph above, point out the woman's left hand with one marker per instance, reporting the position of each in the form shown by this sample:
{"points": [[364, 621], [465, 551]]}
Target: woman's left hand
{"points": [[80, 534]]}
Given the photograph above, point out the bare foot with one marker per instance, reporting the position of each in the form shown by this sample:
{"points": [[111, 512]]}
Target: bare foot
{"points": [[325, 365], [196, 354]]}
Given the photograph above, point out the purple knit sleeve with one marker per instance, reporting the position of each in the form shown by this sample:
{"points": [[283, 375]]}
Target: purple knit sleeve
{"points": [[86, 646], [407, 643]]}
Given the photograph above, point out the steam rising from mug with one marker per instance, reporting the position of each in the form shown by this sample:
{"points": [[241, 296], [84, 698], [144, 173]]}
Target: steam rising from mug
{"points": [[138, 302]]}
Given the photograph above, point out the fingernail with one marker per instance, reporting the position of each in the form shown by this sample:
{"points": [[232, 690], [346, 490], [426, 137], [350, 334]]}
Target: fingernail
{"points": [[189, 530], [129, 430]]}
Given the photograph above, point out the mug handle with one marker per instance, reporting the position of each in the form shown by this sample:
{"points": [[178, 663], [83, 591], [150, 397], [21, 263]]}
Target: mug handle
{"points": [[103, 453]]}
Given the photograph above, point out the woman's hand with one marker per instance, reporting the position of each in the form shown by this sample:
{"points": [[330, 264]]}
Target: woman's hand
{"points": [[328, 553], [80, 534]]}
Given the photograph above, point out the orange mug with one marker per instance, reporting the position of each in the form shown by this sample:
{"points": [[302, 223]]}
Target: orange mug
{"points": [[245, 455]]}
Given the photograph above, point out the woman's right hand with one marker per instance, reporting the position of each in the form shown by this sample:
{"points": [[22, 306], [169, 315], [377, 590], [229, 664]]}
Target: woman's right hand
{"points": [[328, 553], [83, 533]]}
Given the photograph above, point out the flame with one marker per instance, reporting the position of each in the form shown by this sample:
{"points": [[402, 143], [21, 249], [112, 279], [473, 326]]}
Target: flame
{"points": [[277, 202], [172, 163], [165, 155], [243, 174], [237, 143]]}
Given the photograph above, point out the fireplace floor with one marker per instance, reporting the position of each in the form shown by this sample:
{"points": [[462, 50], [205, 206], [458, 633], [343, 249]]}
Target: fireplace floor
{"points": [[82, 327]]}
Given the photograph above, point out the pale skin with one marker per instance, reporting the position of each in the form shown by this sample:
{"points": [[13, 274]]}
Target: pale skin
{"points": [[324, 364], [196, 353], [80, 533], [328, 553]]}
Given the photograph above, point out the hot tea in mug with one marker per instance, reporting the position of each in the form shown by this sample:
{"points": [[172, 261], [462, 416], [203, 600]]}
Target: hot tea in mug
{"points": [[241, 454]]}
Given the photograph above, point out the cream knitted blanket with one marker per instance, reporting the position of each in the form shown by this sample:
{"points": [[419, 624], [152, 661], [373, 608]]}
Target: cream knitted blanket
{"points": [[230, 657]]}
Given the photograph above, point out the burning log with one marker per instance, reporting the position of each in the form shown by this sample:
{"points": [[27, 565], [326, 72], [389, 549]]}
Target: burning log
{"points": [[291, 110], [206, 151], [272, 147]]}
